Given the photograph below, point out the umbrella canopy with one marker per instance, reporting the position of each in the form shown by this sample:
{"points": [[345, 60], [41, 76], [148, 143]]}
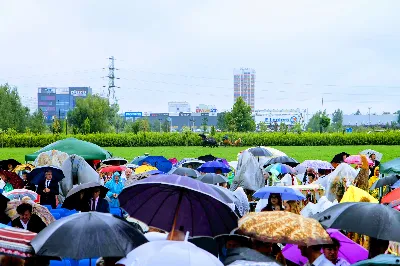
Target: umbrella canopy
{"points": [[287, 193], [205, 242], [384, 259], [88, 235], [283, 227], [13, 179], [38, 174], [316, 164], [4, 164], [391, 196], [144, 168], [115, 161], [391, 167], [355, 194], [171, 201], [170, 253], [137, 159], [279, 168], [18, 194], [87, 150], [24, 167], [16, 242], [183, 171], [212, 178], [112, 169], [349, 250], [247, 255], [190, 163], [371, 219], [213, 167], [370, 152], [356, 159], [282, 159], [207, 158], [37, 209], [73, 200], [260, 152], [386, 181], [160, 162]]}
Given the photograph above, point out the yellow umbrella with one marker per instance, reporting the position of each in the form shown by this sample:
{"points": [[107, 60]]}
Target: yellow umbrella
{"points": [[144, 168], [22, 167], [283, 227], [355, 194]]}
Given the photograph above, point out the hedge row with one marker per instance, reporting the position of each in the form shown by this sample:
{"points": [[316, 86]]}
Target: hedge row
{"points": [[191, 139]]}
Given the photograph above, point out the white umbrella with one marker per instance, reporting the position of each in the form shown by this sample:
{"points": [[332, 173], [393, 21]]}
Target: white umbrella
{"points": [[369, 152], [169, 253], [155, 236]]}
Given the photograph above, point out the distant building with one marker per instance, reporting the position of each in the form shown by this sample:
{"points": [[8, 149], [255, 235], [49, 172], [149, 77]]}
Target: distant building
{"points": [[56, 102], [244, 85], [178, 107], [367, 120]]}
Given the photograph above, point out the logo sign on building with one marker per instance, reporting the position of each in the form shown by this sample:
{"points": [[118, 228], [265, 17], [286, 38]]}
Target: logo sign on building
{"points": [[133, 114], [78, 93], [47, 90], [159, 114], [184, 114], [288, 118], [202, 108]]}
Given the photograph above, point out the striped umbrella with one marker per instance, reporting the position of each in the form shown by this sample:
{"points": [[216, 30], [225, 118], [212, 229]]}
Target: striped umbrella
{"points": [[16, 242]]}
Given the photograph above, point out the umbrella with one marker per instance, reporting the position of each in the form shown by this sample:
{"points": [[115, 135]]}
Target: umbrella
{"points": [[73, 196], [355, 194], [282, 159], [112, 169], [368, 153], [316, 164], [260, 152], [206, 243], [144, 168], [391, 196], [87, 150], [37, 209], [170, 253], [349, 250], [384, 259], [16, 242], [371, 219], [279, 168], [193, 163], [115, 161], [247, 255], [287, 193], [94, 235], [18, 194], [386, 181], [183, 171], [137, 159], [207, 158], [356, 159], [174, 161], [212, 167], [283, 227], [24, 167], [13, 179], [211, 178], [37, 174], [4, 164], [160, 162], [391, 167], [171, 201]]}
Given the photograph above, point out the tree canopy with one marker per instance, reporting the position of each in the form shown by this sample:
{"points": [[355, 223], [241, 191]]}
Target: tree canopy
{"points": [[337, 119], [239, 119], [13, 114], [318, 122]]}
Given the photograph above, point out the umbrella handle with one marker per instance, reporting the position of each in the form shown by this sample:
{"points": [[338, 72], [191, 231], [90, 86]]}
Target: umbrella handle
{"points": [[171, 235]]}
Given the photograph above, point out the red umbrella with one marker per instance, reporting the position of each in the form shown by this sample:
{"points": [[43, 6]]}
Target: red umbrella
{"points": [[13, 179], [112, 169], [391, 196], [16, 242]]}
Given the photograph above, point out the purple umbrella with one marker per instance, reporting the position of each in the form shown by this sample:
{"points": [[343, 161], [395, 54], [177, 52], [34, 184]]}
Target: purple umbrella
{"points": [[213, 166], [171, 201], [349, 250]]}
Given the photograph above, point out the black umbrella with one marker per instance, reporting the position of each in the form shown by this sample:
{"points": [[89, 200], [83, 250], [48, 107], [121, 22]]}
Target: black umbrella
{"points": [[371, 219], [73, 201], [4, 163], [4, 218], [246, 254], [206, 243], [88, 235], [115, 161], [38, 174], [212, 178], [260, 151], [207, 158], [184, 171], [282, 159], [386, 181]]}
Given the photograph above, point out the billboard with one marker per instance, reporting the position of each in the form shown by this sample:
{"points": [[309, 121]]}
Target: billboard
{"points": [[47, 90], [177, 107], [159, 114], [289, 118], [203, 108], [78, 92], [133, 114]]}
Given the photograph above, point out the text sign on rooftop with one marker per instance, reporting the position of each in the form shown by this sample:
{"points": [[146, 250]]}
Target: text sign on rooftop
{"points": [[133, 114]]}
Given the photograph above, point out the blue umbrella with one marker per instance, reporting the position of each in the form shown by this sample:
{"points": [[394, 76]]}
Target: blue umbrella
{"points": [[37, 175], [136, 160], [213, 166], [160, 162], [287, 193], [384, 259]]}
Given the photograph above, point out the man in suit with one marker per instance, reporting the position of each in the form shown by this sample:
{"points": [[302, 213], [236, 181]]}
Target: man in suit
{"points": [[48, 190], [98, 204], [27, 220]]}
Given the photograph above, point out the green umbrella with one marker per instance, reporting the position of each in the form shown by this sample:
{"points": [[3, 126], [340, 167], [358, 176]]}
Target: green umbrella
{"points": [[391, 167], [87, 150]]}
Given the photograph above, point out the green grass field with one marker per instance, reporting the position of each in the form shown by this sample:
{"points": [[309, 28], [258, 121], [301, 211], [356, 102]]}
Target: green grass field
{"points": [[230, 153]]}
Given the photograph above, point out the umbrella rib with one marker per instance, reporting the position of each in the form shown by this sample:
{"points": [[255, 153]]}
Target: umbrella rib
{"points": [[137, 194], [191, 212], [205, 211], [163, 202]]}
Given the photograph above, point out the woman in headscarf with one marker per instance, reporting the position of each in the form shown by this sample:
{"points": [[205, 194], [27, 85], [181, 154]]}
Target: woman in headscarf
{"points": [[115, 187]]}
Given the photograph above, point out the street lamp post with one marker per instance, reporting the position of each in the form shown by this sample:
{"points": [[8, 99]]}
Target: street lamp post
{"points": [[66, 125], [160, 123]]}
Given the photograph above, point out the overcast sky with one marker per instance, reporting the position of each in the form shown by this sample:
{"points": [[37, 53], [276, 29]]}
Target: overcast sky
{"points": [[344, 51]]}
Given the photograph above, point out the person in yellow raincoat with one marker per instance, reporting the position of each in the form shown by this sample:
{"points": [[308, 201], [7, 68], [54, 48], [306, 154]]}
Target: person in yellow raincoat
{"points": [[375, 193]]}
